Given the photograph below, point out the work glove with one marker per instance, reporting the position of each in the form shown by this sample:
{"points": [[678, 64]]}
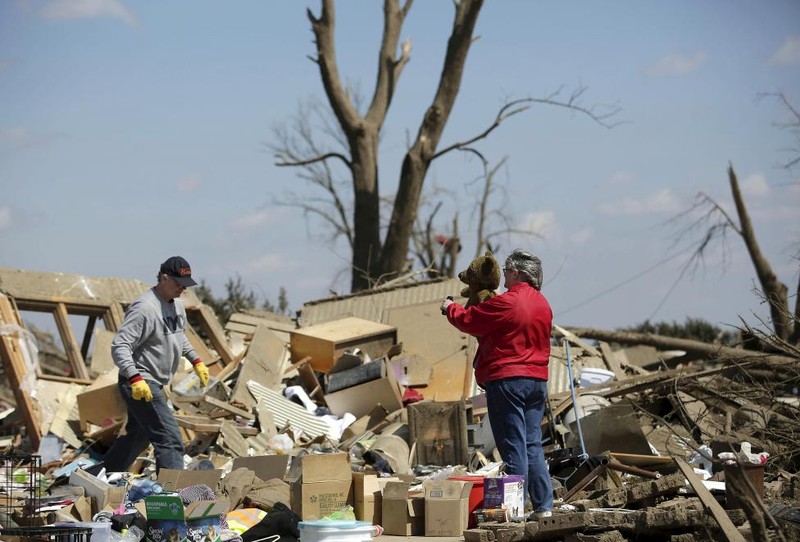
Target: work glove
{"points": [[140, 390], [201, 371]]}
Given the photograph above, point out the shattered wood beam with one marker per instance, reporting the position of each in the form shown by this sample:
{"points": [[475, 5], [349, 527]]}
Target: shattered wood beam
{"points": [[611, 360], [710, 503], [14, 367], [87, 336], [230, 409], [73, 352], [674, 343], [577, 341], [215, 333]]}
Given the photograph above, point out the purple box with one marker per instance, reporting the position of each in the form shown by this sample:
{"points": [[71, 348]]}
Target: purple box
{"points": [[505, 492]]}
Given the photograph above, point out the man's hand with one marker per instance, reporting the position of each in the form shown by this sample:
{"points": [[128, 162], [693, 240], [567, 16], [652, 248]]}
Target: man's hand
{"points": [[140, 390], [201, 371]]}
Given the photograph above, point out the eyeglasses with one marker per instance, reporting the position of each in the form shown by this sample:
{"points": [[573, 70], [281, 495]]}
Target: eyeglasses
{"points": [[507, 269], [174, 280]]}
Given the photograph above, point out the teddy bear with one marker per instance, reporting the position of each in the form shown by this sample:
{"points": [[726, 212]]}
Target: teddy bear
{"points": [[482, 278]]}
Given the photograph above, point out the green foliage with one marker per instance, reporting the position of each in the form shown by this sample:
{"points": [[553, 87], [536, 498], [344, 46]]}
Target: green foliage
{"points": [[239, 299], [693, 328]]}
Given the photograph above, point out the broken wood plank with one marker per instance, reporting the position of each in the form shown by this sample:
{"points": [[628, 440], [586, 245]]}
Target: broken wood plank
{"points": [[233, 440], [263, 362], [215, 333], [222, 405], [710, 503], [71, 348], [577, 341], [11, 352], [611, 361]]}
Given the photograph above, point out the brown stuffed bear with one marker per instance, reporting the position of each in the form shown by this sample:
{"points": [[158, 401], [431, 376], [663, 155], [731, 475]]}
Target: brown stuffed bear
{"points": [[482, 278]]}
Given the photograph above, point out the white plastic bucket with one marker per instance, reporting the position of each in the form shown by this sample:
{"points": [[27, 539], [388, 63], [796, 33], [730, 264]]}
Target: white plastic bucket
{"points": [[591, 376], [587, 404], [335, 531]]}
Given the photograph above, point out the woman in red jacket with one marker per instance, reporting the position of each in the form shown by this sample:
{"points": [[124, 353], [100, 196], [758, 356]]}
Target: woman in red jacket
{"points": [[513, 331]]}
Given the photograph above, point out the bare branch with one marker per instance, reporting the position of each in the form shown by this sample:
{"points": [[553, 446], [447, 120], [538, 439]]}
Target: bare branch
{"points": [[283, 161], [792, 125], [515, 107]]}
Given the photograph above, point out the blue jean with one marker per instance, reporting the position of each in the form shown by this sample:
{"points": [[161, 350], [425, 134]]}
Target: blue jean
{"points": [[152, 422], [515, 408]]}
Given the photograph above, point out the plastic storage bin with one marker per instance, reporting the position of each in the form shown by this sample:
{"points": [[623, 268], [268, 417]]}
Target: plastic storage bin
{"points": [[335, 531], [475, 496]]}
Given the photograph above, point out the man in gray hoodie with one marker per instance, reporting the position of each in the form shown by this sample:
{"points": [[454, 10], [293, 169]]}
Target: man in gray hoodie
{"points": [[147, 349]]}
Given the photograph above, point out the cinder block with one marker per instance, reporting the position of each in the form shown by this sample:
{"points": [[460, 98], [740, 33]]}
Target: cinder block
{"points": [[478, 535]]}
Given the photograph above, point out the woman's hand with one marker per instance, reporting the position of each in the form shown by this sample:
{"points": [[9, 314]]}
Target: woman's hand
{"points": [[446, 303]]}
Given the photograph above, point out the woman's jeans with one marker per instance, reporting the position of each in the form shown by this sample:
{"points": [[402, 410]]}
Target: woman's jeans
{"points": [[515, 408], [152, 422]]}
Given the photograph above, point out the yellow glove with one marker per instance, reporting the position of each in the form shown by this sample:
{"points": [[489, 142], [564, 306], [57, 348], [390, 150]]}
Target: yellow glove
{"points": [[201, 371], [140, 390]]}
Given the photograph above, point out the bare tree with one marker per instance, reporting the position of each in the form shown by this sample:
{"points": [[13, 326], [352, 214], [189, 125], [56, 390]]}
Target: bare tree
{"points": [[373, 260], [790, 124], [716, 223]]}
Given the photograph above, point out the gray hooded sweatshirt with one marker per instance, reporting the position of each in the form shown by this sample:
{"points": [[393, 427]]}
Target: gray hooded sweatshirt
{"points": [[152, 339]]}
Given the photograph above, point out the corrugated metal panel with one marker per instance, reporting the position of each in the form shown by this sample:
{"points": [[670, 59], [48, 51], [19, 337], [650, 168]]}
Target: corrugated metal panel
{"points": [[558, 380], [287, 412], [372, 305], [559, 372]]}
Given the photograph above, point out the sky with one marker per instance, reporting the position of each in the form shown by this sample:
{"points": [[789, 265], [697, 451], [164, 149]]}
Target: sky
{"points": [[134, 131]]}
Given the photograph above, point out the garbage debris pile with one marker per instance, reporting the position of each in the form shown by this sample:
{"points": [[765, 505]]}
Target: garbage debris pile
{"points": [[360, 419]]}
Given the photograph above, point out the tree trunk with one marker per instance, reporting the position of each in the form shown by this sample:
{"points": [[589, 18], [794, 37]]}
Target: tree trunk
{"points": [[362, 132], [366, 219], [419, 156], [775, 291], [674, 343]]}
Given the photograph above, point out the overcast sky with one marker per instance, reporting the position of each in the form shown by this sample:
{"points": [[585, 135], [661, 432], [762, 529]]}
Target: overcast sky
{"points": [[133, 131]]}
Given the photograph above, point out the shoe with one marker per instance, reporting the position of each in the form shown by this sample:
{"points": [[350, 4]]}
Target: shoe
{"points": [[538, 516]]}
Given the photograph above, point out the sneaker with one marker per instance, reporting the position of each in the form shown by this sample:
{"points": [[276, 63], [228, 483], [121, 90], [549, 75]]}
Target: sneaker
{"points": [[538, 516]]}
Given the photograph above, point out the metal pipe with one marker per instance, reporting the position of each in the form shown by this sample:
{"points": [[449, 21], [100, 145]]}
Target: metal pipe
{"points": [[584, 455]]}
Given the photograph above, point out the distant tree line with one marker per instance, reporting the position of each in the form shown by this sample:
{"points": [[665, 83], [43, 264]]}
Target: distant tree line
{"points": [[239, 298], [693, 328]]}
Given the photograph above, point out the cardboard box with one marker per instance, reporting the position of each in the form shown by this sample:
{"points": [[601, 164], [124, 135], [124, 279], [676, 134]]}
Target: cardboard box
{"points": [[361, 399], [505, 492], [320, 485], [324, 343], [101, 402], [168, 520], [446, 507], [367, 496], [102, 493], [402, 513]]}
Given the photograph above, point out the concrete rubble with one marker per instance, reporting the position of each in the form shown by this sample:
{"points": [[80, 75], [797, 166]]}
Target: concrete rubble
{"points": [[357, 407]]}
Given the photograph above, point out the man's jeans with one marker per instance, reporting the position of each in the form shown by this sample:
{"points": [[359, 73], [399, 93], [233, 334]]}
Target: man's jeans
{"points": [[515, 408], [152, 422]]}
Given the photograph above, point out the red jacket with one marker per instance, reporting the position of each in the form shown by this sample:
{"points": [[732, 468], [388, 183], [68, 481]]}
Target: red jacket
{"points": [[513, 331]]}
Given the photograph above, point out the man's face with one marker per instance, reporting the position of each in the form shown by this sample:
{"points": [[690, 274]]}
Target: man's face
{"points": [[171, 287]]}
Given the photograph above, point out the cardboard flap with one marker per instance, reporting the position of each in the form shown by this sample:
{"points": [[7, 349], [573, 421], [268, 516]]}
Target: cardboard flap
{"points": [[266, 467], [447, 489], [415, 506], [204, 509], [395, 490], [174, 480], [325, 468]]}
